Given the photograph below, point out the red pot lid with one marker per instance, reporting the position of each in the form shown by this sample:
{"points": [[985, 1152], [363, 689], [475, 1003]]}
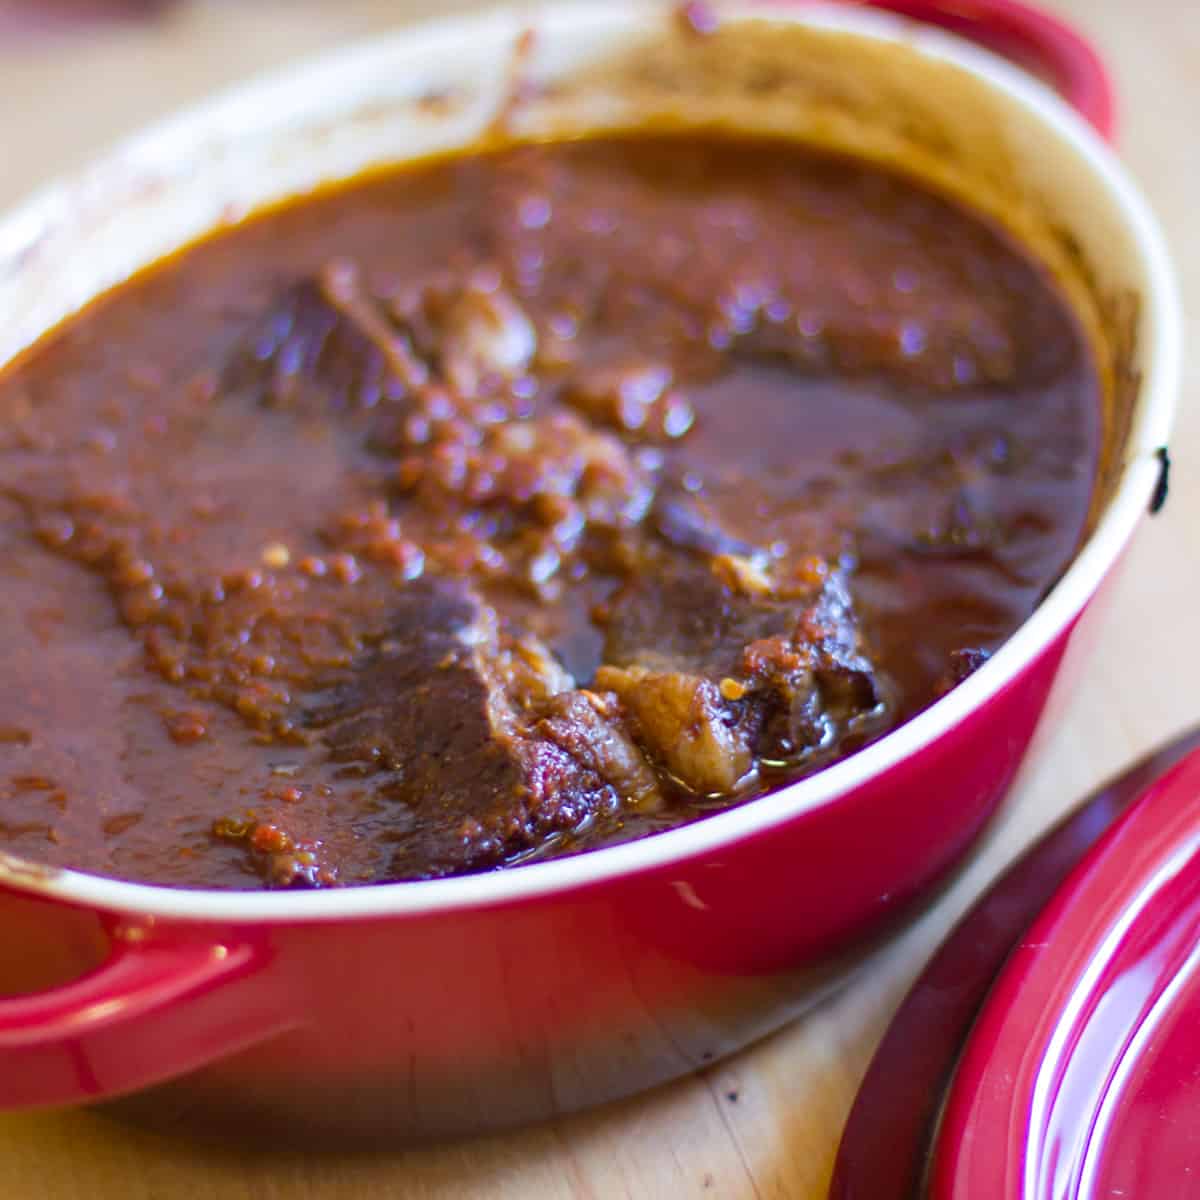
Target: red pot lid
{"points": [[1051, 1048]]}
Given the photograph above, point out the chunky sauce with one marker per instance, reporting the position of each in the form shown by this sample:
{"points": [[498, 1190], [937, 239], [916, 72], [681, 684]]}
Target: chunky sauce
{"points": [[513, 505]]}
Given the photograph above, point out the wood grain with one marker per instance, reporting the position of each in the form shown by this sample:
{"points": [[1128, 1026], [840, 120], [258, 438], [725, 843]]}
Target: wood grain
{"points": [[766, 1124]]}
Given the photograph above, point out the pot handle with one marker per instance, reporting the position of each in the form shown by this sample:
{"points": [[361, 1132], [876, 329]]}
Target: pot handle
{"points": [[1042, 44], [158, 1007]]}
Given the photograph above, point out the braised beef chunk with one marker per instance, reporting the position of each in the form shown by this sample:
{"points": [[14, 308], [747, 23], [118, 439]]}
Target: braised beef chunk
{"points": [[435, 625], [590, 727], [324, 340], [686, 725], [472, 328], [518, 503], [481, 740], [680, 615], [328, 335], [721, 669]]}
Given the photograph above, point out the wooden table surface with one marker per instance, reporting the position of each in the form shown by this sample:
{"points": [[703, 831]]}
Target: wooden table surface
{"points": [[765, 1124]]}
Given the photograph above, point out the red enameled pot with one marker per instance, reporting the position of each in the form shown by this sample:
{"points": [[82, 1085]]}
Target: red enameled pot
{"points": [[420, 1009]]}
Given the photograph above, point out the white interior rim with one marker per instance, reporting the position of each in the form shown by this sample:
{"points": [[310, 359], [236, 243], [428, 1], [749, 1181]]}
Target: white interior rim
{"points": [[1160, 385]]}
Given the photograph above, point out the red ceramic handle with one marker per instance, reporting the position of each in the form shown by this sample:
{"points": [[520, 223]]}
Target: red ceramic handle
{"points": [[1035, 40], [149, 1013]]}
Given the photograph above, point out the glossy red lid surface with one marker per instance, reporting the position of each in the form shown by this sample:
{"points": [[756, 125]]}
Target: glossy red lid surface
{"points": [[1081, 1077], [890, 1136]]}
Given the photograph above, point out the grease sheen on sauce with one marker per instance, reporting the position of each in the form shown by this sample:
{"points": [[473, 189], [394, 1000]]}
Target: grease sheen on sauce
{"points": [[824, 365]]}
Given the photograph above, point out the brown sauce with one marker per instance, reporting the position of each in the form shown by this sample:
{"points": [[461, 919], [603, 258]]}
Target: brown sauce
{"points": [[517, 504]]}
